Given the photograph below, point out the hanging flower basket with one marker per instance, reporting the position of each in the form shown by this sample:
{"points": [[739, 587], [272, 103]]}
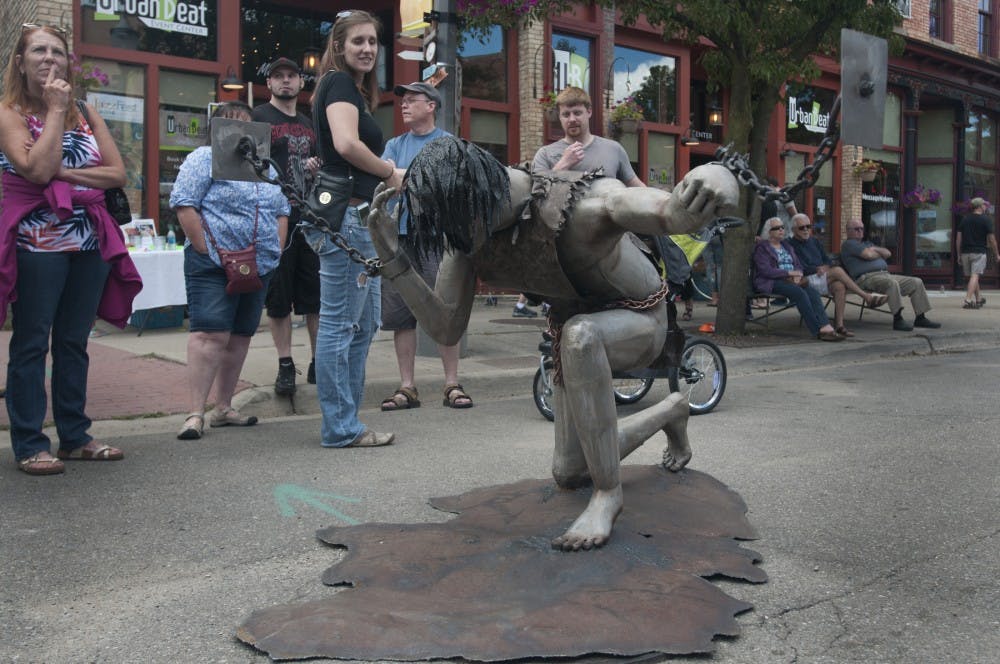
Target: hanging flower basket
{"points": [[628, 126], [552, 114], [868, 176], [921, 198]]}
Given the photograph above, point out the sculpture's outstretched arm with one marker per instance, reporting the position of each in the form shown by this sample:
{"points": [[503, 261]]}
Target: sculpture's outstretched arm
{"points": [[443, 312], [706, 192]]}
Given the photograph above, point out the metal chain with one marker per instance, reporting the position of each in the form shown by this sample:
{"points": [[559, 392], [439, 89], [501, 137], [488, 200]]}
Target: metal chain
{"points": [[248, 150], [739, 165]]}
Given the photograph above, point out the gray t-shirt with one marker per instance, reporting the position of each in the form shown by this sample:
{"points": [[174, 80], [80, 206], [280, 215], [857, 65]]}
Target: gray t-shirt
{"points": [[601, 152], [850, 257]]}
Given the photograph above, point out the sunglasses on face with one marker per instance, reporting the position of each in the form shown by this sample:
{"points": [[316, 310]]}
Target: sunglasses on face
{"points": [[803, 227], [777, 228]]}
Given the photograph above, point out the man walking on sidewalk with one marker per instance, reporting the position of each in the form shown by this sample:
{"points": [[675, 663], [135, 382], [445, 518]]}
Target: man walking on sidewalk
{"points": [[420, 102], [867, 265], [974, 237], [296, 280]]}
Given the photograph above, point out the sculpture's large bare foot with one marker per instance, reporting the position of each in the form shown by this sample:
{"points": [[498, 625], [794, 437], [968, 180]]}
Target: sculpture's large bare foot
{"points": [[592, 528], [678, 451]]}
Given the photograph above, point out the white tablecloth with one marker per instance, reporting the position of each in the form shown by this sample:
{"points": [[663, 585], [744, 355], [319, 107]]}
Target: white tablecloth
{"points": [[162, 275]]}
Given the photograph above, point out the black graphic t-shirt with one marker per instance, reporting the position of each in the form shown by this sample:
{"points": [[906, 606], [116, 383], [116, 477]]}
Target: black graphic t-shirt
{"points": [[293, 141]]}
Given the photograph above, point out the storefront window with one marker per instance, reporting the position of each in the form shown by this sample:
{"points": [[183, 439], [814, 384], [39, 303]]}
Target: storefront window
{"points": [[980, 138], [122, 105], [808, 113], [933, 237], [662, 160], [935, 133], [272, 30], [650, 79], [488, 130], [880, 202], [185, 104], [484, 66], [822, 201], [891, 120], [979, 182], [571, 62], [185, 29]]}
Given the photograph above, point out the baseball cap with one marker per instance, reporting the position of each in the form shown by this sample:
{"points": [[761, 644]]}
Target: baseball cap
{"points": [[283, 62], [425, 89]]}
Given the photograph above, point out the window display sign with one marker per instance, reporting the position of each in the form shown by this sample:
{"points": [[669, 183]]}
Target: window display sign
{"points": [[808, 114], [185, 28]]}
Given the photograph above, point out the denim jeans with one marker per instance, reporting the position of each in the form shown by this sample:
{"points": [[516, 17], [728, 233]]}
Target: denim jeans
{"points": [[807, 301], [349, 315], [58, 294]]}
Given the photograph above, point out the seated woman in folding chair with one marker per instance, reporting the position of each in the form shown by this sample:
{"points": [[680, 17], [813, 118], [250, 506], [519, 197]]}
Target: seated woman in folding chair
{"points": [[777, 270]]}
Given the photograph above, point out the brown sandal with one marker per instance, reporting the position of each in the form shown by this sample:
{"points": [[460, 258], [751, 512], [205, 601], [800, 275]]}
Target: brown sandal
{"points": [[454, 395], [100, 453], [404, 398], [843, 331], [34, 465]]}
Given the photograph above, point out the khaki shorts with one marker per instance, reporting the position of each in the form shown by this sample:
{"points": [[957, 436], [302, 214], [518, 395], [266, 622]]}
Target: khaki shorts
{"points": [[973, 263]]}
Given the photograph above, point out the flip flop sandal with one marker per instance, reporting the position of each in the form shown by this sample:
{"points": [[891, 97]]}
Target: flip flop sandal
{"points": [[843, 331], [100, 453], [687, 314], [404, 398], [452, 393], [192, 432], [36, 466]]}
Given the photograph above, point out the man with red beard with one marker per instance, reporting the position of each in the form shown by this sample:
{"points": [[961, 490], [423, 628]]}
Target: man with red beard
{"points": [[579, 150]]}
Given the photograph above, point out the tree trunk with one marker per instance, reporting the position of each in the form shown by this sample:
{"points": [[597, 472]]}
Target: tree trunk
{"points": [[748, 129]]}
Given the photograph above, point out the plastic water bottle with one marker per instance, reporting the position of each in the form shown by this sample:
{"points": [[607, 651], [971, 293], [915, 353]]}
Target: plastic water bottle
{"points": [[171, 239]]}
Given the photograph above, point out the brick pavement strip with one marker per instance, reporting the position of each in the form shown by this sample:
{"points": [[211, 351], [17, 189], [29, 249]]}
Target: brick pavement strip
{"points": [[123, 384]]}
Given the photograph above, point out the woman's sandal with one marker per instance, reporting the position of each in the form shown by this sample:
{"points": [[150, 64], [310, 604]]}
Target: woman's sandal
{"points": [[688, 309], [404, 398], [192, 431], [455, 397], [230, 417], [34, 465], [843, 331], [99, 453], [966, 304]]}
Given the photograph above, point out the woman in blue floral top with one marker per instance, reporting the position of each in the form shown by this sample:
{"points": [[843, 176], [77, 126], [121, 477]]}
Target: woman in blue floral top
{"points": [[58, 246], [221, 325]]}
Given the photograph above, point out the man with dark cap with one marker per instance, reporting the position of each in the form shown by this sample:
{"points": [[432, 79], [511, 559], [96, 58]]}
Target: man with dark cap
{"points": [[420, 103], [296, 280]]}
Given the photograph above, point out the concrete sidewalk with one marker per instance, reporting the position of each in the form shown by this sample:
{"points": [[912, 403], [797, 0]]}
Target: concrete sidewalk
{"points": [[133, 376]]}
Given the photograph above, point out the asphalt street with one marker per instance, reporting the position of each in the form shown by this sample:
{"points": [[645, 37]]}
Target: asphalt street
{"points": [[874, 499]]}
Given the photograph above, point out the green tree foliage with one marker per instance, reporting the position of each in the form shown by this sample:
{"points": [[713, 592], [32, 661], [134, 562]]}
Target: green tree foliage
{"points": [[758, 46]]}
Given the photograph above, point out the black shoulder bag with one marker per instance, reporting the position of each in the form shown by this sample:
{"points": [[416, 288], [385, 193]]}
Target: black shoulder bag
{"points": [[114, 199], [330, 194]]}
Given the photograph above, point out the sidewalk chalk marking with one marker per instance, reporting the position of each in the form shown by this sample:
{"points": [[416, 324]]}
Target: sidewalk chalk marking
{"points": [[285, 494]]}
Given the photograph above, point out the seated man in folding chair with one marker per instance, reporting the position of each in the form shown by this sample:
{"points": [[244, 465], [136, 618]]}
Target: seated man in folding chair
{"points": [[866, 263], [825, 277]]}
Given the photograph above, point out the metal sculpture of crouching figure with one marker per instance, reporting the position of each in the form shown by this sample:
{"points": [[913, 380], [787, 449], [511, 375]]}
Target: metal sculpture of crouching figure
{"points": [[565, 237]]}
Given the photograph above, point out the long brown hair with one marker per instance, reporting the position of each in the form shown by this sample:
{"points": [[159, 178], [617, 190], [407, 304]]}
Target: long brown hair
{"points": [[15, 86], [333, 56]]}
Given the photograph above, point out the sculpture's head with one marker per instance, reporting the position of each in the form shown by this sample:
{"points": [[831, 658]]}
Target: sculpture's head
{"points": [[455, 192]]}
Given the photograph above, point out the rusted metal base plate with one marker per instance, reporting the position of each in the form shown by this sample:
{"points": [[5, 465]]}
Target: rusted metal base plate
{"points": [[487, 585]]}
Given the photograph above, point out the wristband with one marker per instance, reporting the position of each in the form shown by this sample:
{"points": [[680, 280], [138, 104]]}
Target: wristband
{"points": [[395, 266]]}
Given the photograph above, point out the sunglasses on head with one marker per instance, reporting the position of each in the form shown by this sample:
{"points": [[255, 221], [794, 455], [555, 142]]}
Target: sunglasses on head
{"points": [[35, 26]]}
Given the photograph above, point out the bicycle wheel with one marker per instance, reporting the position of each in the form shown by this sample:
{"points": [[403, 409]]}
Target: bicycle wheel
{"points": [[541, 389], [630, 390], [701, 377]]}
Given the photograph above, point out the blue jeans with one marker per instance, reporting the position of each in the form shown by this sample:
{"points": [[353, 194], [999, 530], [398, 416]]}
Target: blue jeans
{"points": [[349, 314], [807, 301], [58, 294], [713, 264]]}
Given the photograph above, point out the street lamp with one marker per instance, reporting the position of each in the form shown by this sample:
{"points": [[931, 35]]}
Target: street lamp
{"points": [[609, 81], [231, 82]]}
